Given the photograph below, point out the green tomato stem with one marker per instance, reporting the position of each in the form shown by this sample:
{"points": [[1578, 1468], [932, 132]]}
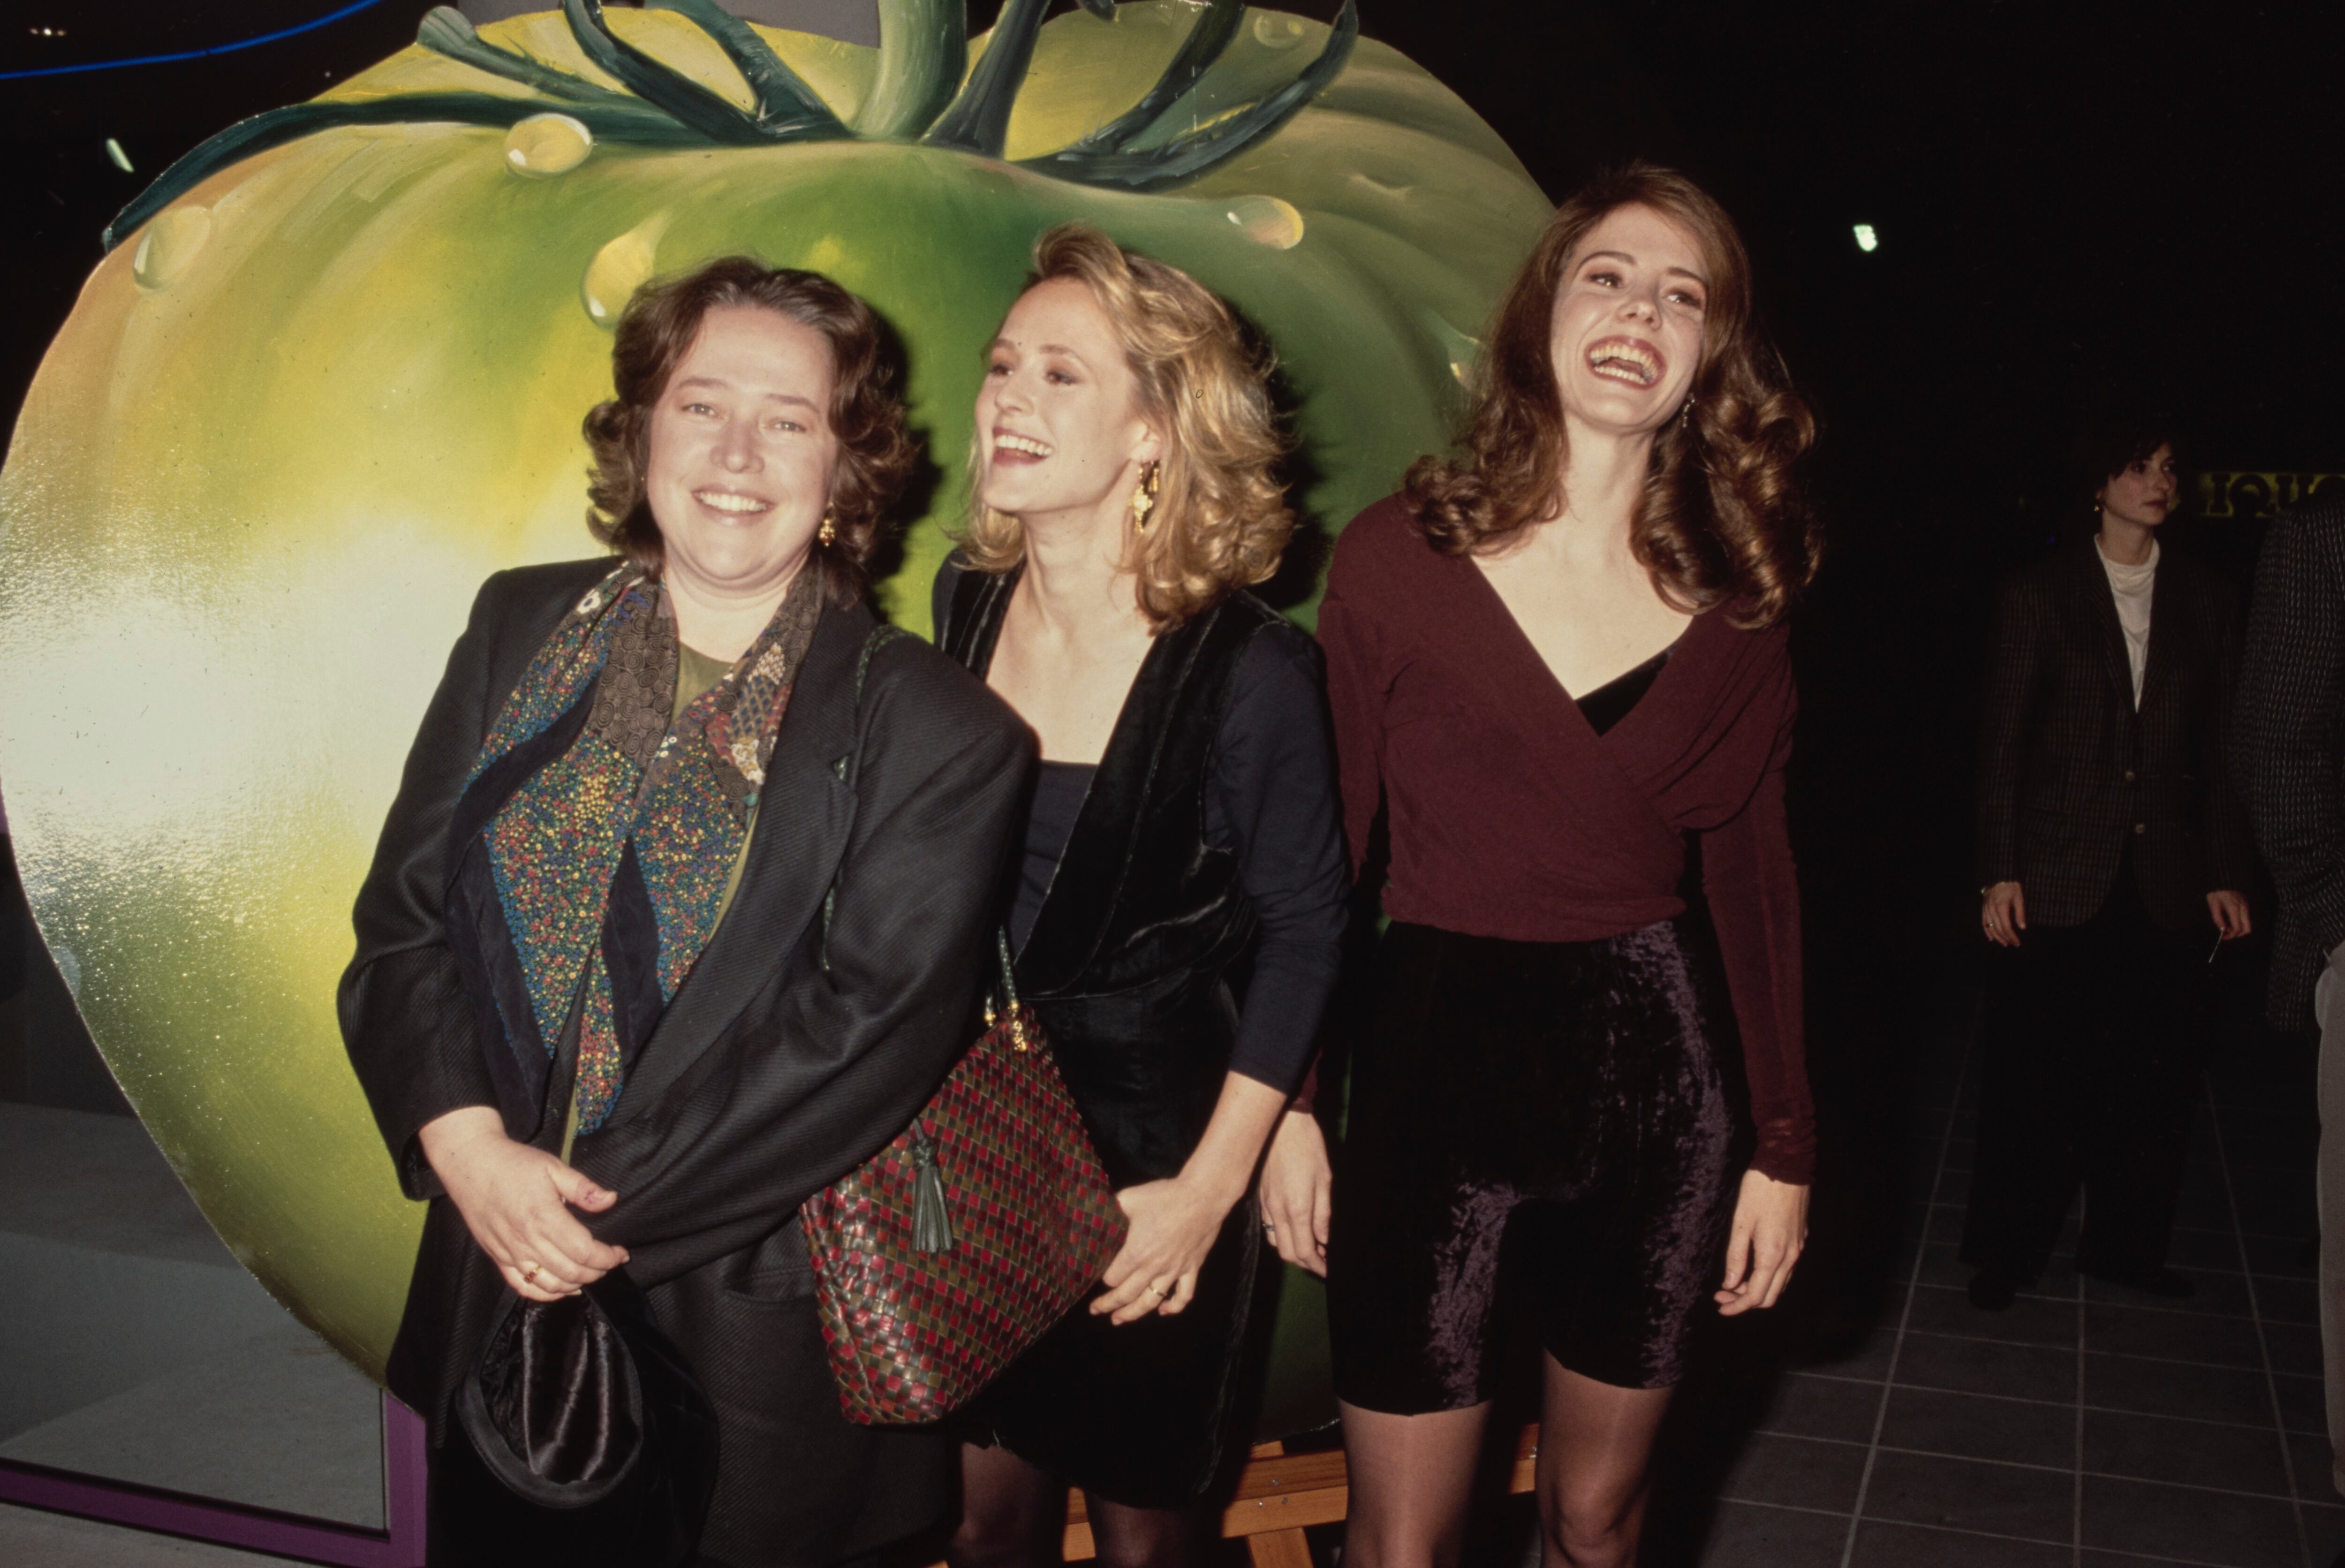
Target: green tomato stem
{"points": [[625, 121], [686, 100], [1204, 45], [923, 54], [1193, 152], [788, 108], [977, 120], [445, 31], [664, 108]]}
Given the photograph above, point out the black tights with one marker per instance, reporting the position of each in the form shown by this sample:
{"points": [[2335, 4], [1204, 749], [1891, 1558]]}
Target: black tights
{"points": [[1008, 1509], [1413, 1476]]}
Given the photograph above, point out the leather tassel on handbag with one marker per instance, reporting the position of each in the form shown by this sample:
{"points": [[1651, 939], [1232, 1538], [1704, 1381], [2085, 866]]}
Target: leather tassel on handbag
{"points": [[943, 1258]]}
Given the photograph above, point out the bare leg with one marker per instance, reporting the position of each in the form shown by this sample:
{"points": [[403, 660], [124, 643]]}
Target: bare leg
{"points": [[1596, 1449], [1412, 1479], [1140, 1537], [1005, 1511]]}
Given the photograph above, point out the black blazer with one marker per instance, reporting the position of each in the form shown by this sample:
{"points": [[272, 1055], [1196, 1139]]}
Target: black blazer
{"points": [[2071, 776], [2289, 751], [768, 1077]]}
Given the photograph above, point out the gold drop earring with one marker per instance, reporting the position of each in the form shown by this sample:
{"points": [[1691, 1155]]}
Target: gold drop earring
{"points": [[1685, 415], [829, 532], [1143, 496]]}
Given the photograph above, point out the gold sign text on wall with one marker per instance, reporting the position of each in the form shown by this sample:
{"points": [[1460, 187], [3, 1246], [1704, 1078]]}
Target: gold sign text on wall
{"points": [[2247, 495]]}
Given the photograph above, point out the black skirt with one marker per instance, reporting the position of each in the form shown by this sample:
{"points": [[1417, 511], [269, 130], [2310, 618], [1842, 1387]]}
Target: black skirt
{"points": [[1135, 1414], [1564, 1100]]}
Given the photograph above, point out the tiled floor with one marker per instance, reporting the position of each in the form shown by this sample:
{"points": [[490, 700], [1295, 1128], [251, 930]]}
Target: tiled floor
{"points": [[2089, 1426]]}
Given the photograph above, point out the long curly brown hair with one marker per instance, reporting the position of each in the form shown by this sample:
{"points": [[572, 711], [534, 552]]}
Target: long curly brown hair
{"points": [[875, 453], [1722, 519], [1221, 518]]}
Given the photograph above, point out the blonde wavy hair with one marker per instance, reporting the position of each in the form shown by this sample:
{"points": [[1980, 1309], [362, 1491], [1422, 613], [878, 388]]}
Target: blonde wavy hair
{"points": [[1221, 521]]}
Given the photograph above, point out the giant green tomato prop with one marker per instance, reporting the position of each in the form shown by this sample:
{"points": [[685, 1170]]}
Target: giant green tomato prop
{"points": [[331, 374]]}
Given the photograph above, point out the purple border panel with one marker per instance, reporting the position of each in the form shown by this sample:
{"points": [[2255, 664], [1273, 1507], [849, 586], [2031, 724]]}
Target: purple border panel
{"points": [[400, 1545]]}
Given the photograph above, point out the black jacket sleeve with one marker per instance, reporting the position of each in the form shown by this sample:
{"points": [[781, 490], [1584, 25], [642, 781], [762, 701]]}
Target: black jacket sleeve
{"points": [[2014, 674], [405, 1018], [837, 1061], [1274, 800]]}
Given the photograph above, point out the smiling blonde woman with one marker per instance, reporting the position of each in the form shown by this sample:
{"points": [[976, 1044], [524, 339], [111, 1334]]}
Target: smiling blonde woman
{"points": [[1184, 824]]}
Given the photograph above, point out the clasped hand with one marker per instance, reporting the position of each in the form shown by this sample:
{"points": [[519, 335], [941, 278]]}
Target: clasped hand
{"points": [[516, 1202]]}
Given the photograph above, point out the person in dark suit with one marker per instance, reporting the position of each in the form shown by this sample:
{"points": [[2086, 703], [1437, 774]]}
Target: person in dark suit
{"points": [[670, 927], [2289, 756], [2113, 852]]}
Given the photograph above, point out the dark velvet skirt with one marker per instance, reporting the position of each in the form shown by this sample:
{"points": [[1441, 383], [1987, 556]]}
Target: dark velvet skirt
{"points": [[1562, 1102], [1136, 1414]]}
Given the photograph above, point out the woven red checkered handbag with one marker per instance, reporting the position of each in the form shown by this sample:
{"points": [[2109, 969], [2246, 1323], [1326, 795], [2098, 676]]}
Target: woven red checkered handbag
{"points": [[941, 1258]]}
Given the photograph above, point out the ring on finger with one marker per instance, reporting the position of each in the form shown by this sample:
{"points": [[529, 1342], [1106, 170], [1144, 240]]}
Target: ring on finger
{"points": [[529, 1272]]}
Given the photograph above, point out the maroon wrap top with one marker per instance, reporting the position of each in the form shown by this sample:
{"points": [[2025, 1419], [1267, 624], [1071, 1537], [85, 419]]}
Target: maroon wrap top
{"points": [[1508, 816]]}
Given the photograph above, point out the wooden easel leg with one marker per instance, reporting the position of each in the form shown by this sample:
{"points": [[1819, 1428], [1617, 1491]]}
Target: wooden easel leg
{"points": [[1279, 1549]]}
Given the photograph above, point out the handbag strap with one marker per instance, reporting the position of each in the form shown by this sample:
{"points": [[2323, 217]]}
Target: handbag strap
{"points": [[881, 636]]}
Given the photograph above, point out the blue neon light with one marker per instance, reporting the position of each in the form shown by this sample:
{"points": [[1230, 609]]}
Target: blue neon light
{"points": [[331, 16]]}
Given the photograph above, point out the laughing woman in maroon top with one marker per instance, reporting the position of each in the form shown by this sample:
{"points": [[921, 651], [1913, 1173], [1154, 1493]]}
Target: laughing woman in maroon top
{"points": [[1558, 673]]}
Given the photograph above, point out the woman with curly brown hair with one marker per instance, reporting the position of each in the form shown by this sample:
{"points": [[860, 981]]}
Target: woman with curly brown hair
{"points": [[676, 918], [1560, 680], [1182, 833]]}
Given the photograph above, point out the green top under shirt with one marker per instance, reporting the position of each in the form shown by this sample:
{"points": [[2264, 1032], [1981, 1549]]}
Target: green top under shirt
{"points": [[695, 672]]}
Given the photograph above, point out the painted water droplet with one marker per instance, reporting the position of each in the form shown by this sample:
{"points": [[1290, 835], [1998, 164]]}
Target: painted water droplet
{"points": [[169, 246], [1277, 30], [1268, 221], [545, 145], [1462, 350], [621, 267]]}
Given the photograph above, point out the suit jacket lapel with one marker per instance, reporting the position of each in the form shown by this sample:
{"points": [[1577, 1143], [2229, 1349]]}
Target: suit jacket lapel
{"points": [[2165, 613], [1068, 929], [1074, 917], [808, 806], [2090, 580]]}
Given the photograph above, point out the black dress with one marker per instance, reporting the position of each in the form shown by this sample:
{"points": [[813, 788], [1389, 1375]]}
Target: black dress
{"points": [[1201, 860]]}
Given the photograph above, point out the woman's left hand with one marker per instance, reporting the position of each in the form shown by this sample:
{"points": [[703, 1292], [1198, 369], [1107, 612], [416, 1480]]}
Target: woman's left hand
{"points": [[1175, 1224], [1771, 1226], [1293, 1192]]}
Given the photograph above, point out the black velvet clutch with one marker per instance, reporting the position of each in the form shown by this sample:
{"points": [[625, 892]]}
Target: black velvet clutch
{"points": [[589, 1441]]}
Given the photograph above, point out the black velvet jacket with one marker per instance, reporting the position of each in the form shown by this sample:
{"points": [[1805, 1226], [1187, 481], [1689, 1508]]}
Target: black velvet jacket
{"points": [[1129, 964], [770, 1075]]}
